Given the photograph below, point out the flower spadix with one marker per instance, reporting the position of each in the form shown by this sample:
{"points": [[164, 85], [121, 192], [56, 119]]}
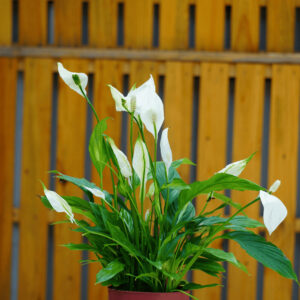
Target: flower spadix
{"points": [[274, 211], [73, 79], [140, 160], [236, 168], [123, 162], [165, 149], [59, 204], [274, 187]]}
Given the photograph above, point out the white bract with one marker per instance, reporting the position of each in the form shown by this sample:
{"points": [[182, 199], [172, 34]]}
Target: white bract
{"points": [[123, 162], [140, 161], [274, 211], [68, 78], [236, 168], [96, 192], [143, 102], [59, 204], [165, 149], [274, 187]]}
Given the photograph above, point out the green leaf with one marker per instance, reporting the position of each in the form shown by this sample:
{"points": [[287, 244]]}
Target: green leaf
{"points": [[46, 202], [208, 266], [177, 184], [80, 247], [218, 182], [195, 286], [182, 161], [110, 271], [224, 256], [245, 221], [227, 200], [265, 252]]}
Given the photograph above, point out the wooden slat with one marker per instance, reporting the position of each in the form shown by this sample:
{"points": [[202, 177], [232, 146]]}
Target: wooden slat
{"points": [[247, 139], [283, 159], [211, 157], [280, 25], [68, 22], [178, 102], [245, 25], [103, 23], [32, 22], [210, 20], [138, 24], [70, 160], [6, 22], [8, 77], [174, 23], [106, 72], [35, 163]]}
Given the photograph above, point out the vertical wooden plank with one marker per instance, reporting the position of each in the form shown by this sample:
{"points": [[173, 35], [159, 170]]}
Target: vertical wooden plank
{"points": [[68, 22], [178, 110], [245, 25], [283, 159], [174, 21], [8, 77], [247, 139], [210, 25], [138, 24], [6, 22], [281, 25], [35, 163], [103, 23], [212, 134], [70, 160], [106, 72], [33, 22]]}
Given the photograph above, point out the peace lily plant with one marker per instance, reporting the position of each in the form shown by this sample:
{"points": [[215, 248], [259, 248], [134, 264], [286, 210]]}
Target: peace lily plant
{"points": [[152, 250]]}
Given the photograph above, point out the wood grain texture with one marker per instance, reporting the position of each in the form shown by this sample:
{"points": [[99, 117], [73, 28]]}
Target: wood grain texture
{"points": [[68, 22], [210, 20], [178, 102], [8, 86], [6, 22], [71, 131], [247, 139], [280, 25], [138, 25], [174, 22], [245, 25], [283, 159], [103, 23], [32, 22], [212, 136], [35, 163]]}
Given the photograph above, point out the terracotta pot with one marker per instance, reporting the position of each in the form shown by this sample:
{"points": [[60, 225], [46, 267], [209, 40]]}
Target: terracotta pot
{"points": [[130, 295]]}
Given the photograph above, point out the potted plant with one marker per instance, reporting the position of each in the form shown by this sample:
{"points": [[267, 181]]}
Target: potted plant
{"points": [[147, 252]]}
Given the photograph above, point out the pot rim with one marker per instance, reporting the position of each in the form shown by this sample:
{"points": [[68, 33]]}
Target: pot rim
{"points": [[139, 292]]}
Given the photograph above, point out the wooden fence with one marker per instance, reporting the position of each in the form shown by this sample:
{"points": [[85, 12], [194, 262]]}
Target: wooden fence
{"points": [[220, 106]]}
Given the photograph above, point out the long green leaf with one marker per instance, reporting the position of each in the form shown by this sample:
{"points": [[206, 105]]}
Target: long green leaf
{"points": [[110, 271]]}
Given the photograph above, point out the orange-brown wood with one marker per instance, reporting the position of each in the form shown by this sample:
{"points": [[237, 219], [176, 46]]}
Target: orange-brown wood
{"points": [[32, 22], [245, 25], [138, 24], [103, 23], [35, 163], [283, 157], [210, 20], [280, 25], [71, 130], [174, 24], [211, 156], [68, 22], [247, 139], [6, 22], [8, 84]]}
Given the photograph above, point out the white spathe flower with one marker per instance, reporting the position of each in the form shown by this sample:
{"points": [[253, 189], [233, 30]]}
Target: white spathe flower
{"points": [[59, 204], [140, 160], [123, 162], [274, 187], [165, 149], [96, 192], [236, 168], [68, 78], [274, 211]]}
